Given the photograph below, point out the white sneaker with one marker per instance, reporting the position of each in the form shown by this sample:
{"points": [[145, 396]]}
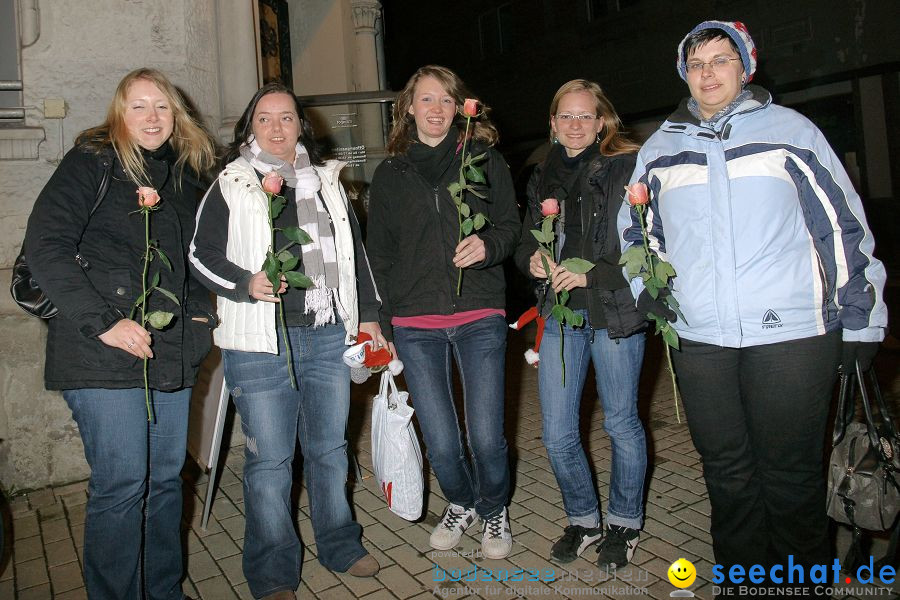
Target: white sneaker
{"points": [[497, 540], [455, 521]]}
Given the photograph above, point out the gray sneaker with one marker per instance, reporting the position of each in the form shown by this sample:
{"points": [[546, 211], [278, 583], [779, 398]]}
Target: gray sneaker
{"points": [[496, 542], [575, 540], [455, 521]]}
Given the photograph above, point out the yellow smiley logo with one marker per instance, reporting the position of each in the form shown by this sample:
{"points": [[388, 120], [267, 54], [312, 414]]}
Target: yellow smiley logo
{"points": [[682, 573]]}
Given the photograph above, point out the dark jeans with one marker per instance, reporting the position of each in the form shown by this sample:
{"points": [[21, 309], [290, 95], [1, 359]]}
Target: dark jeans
{"points": [[133, 513], [757, 416], [480, 351], [274, 417]]}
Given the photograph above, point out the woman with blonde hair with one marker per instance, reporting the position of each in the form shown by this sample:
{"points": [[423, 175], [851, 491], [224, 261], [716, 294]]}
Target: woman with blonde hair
{"points": [[416, 253], [585, 171], [85, 244]]}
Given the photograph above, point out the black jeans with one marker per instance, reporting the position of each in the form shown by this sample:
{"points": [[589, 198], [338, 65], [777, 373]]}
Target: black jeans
{"points": [[757, 416]]}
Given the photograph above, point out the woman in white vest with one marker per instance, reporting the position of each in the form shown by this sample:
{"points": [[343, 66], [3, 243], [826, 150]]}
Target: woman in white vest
{"points": [[227, 254]]}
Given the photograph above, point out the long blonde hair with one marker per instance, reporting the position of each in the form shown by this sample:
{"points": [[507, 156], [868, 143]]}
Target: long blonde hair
{"points": [[404, 123], [612, 139], [192, 144]]}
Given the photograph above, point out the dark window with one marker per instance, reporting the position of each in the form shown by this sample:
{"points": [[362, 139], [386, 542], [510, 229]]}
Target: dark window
{"points": [[9, 53]]}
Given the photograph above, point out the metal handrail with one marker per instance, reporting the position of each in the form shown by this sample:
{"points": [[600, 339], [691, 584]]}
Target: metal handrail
{"points": [[380, 96], [8, 85]]}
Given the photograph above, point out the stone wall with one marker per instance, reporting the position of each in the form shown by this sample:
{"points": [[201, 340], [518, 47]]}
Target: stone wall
{"points": [[81, 52]]}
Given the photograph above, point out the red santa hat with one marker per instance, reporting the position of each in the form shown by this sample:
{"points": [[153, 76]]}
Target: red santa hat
{"points": [[532, 355], [362, 355]]}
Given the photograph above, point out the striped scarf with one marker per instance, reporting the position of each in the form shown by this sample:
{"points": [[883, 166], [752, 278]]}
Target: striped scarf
{"points": [[319, 258]]}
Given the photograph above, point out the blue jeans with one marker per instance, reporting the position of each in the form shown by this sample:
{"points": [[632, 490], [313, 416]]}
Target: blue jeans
{"points": [[135, 491], [617, 369], [274, 417], [480, 351]]}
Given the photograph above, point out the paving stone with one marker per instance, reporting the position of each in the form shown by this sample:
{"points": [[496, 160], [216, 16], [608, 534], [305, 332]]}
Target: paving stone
{"points": [[27, 549], [8, 588], [233, 569], [201, 566], [41, 498], [234, 526], [317, 577], [75, 514], [26, 526], [31, 573], [76, 594], [51, 512], [40, 592], [60, 553], [220, 545], [54, 531], [382, 537], [19, 506], [66, 577], [215, 588], [399, 582]]}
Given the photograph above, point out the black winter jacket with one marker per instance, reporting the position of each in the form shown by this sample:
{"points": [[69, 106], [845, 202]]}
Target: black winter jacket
{"points": [[412, 234], [92, 300], [609, 298]]}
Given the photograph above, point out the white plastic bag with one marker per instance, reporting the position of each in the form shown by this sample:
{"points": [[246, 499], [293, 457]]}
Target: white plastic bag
{"points": [[396, 455]]}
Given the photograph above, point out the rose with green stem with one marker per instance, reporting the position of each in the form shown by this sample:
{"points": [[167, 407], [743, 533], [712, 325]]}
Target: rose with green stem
{"points": [[148, 201], [546, 238], [280, 264], [471, 179], [656, 274]]}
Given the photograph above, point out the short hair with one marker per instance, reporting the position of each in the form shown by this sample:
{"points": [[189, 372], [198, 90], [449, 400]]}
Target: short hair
{"points": [[704, 36], [404, 123], [244, 126]]}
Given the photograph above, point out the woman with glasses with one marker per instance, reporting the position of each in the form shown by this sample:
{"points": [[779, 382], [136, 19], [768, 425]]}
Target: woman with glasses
{"points": [[777, 284], [585, 171], [417, 257]]}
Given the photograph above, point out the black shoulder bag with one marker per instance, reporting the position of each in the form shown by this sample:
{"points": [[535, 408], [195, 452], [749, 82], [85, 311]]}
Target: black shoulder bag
{"points": [[24, 289], [864, 470]]}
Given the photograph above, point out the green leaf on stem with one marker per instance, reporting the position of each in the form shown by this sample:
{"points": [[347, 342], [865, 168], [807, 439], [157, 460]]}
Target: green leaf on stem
{"points": [[664, 270], [296, 234], [284, 255], [564, 296], [676, 307], [634, 260], [159, 319], [272, 266], [137, 303], [568, 315], [541, 237], [547, 228], [477, 159], [163, 257], [479, 221], [544, 262], [276, 206], [669, 336], [467, 226], [578, 320], [155, 281], [454, 188], [298, 280], [464, 209], [475, 174], [477, 192], [579, 266], [290, 264], [557, 312], [168, 295]]}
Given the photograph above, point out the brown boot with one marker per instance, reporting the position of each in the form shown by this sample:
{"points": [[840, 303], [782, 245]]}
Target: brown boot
{"points": [[366, 566], [282, 595]]}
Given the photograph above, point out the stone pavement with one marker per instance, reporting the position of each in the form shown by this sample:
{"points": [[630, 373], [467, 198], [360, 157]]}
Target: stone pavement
{"points": [[48, 526]]}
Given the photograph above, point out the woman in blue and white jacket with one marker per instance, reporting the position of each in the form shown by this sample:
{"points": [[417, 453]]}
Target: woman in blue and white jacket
{"points": [[775, 279], [227, 255]]}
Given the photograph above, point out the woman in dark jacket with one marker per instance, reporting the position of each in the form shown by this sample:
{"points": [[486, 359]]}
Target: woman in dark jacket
{"points": [[586, 170], [415, 250], [95, 351]]}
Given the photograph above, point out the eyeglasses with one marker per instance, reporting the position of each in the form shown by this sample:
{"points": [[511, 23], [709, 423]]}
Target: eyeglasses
{"points": [[716, 64], [567, 118]]}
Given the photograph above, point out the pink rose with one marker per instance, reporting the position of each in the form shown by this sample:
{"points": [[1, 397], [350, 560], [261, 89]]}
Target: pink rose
{"points": [[148, 197], [638, 194], [272, 182], [470, 107], [550, 206]]}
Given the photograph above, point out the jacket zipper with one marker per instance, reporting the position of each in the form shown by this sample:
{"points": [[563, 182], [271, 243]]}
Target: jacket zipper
{"points": [[826, 292]]}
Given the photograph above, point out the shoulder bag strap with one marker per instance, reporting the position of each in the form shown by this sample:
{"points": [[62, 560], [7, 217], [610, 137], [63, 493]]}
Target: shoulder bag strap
{"points": [[106, 162]]}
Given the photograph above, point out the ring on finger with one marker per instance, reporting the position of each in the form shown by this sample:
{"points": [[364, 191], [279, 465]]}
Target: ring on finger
{"points": [[131, 344]]}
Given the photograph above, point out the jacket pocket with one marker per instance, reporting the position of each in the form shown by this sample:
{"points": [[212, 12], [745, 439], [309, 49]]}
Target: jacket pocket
{"points": [[199, 336], [99, 355], [119, 288]]}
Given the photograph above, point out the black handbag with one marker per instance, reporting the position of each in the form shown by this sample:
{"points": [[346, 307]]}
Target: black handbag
{"points": [[24, 289], [864, 471]]}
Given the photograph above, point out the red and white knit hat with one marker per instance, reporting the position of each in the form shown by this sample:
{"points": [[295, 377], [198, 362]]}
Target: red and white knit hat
{"points": [[738, 33], [532, 355]]}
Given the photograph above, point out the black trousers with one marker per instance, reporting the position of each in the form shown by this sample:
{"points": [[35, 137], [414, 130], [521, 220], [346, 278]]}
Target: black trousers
{"points": [[757, 416]]}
